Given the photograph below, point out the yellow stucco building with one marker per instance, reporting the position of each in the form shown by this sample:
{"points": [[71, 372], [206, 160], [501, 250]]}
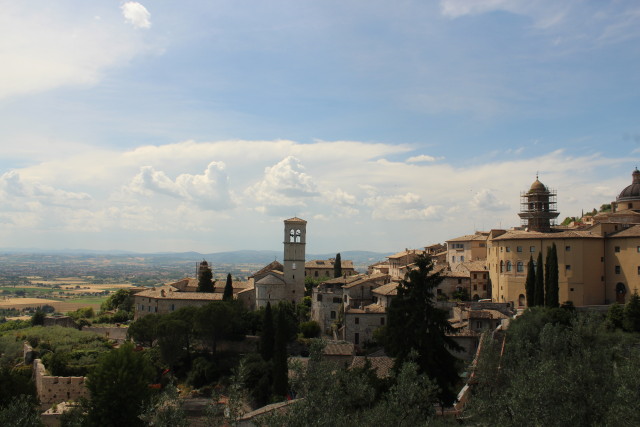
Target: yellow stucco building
{"points": [[598, 264]]}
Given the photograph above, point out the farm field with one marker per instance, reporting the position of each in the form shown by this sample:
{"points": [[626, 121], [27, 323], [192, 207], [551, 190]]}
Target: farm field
{"points": [[61, 306]]}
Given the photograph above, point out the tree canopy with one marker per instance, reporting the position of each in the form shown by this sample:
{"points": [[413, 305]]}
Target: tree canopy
{"points": [[205, 278], [337, 266], [228, 289], [415, 323]]}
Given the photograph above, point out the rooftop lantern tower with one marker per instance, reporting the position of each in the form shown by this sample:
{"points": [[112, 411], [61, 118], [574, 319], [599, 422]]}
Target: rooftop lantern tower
{"points": [[538, 210]]}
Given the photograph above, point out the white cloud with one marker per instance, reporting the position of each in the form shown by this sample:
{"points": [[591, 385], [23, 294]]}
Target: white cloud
{"points": [[209, 190], [17, 191], [402, 207], [44, 45], [486, 200], [136, 14], [421, 159]]}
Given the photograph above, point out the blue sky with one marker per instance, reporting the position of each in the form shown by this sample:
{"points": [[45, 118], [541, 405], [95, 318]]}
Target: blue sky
{"points": [[164, 126]]}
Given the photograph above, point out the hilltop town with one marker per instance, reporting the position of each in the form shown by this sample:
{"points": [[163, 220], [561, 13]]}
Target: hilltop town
{"points": [[253, 350]]}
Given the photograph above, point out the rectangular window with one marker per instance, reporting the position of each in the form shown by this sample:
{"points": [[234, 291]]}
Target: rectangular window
{"points": [[519, 249], [173, 307], [567, 267], [475, 276], [484, 287], [501, 248], [638, 249], [532, 248], [639, 270], [567, 248], [617, 269], [337, 300], [333, 314], [459, 281], [508, 249], [319, 298], [357, 320], [382, 321], [356, 338], [601, 259], [438, 291], [453, 258], [617, 249], [475, 287], [461, 258]]}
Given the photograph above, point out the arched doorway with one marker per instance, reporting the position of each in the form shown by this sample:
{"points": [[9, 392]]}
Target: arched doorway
{"points": [[621, 293], [521, 301]]}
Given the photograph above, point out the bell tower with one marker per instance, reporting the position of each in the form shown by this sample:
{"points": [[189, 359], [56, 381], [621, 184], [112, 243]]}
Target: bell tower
{"points": [[538, 207], [295, 235]]}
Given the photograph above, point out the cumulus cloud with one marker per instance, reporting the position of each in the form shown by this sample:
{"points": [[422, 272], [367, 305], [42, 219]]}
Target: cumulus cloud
{"points": [[136, 14], [486, 200], [283, 184], [409, 206], [209, 190], [18, 192]]}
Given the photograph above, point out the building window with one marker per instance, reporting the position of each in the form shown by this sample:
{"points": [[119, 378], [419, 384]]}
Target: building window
{"points": [[333, 314], [532, 248], [567, 267], [508, 249], [519, 267], [638, 249], [439, 291], [567, 248], [601, 259], [484, 275], [173, 307], [475, 287], [508, 265], [484, 287], [461, 258], [357, 320], [315, 273], [501, 248], [519, 249], [459, 281], [453, 258], [475, 276], [382, 321], [337, 300], [319, 297], [501, 266], [639, 270], [356, 338], [617, 249], [617, 269]]}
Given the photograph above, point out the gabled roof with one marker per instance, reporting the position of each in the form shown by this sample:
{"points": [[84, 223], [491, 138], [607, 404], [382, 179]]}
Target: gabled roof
{"points": [[471, 266], [274, 265], [469, 237], [633, 231], [362, 279], [388, 289], [569, 234], [272, 278], [296, 219], [328, 263], [172, 293], [406, 253], [382, 365], [339, 348]]}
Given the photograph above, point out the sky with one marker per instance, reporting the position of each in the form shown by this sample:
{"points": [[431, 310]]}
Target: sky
{"points": [[163, 126]]}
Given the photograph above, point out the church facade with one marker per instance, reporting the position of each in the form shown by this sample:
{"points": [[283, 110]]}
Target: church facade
{"points": [[598, 264]]}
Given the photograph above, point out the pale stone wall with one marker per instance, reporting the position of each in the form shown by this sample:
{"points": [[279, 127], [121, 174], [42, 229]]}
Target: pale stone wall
{"points": [[324, 302], [359, 327], [51, 389], [623, 252]]}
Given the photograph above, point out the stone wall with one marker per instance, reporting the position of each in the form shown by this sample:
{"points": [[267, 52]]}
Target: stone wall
{"points": [[111, 332], [52, 389]]}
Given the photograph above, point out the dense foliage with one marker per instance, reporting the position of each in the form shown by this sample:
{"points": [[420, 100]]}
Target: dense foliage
{"points": [[416, 324], [559, 368]]}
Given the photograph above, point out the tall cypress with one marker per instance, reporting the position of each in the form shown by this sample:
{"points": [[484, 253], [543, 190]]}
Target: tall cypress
{"points": [[539, 293], [228, 289], [280, 368], [551, 298], [530, 284], [267, 336], [337, 266]]}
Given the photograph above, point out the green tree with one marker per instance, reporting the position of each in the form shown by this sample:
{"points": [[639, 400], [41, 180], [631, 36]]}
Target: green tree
{"points": [[21, 411], [119, 388], [280, 356], [176, 334], [267, 336], [530, 283], [38, 318], [337, 266], [228, 289], [615, 316], [415, 323], [205, 278], [551, 297], [219, 320], [145, 329], [165, 410], [631, 320], [122, 299], [539, 295]]}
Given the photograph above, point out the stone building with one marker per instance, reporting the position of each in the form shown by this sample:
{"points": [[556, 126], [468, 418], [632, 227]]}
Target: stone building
{"points": [[472, 247], [324, 268], [289, 284], [399, 261], [598, 264]]}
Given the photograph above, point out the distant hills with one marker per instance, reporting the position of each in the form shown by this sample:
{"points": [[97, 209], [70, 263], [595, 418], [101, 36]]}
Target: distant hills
{"points": [[359, 258]]}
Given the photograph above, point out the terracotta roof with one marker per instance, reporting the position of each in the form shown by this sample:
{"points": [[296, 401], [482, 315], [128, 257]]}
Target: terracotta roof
{"points": [[627, 232], [339, 348], [327, 263], [570, 234], [382, 365], [469, 237], [275, 265], [368, 309], [388, 289], [459, 274], [406, 252], [342, 280], [471, 266], [296, 219], [172, 293], [366, 279], [486, 314]]}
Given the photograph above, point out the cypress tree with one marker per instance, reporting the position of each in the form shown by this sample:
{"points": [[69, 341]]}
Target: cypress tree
{"points": [[205, 278], [551, 297], [539, 293], [337, 266], [280, 368], [631, 315], [268, 335], [530, 284], [228, 289]]}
